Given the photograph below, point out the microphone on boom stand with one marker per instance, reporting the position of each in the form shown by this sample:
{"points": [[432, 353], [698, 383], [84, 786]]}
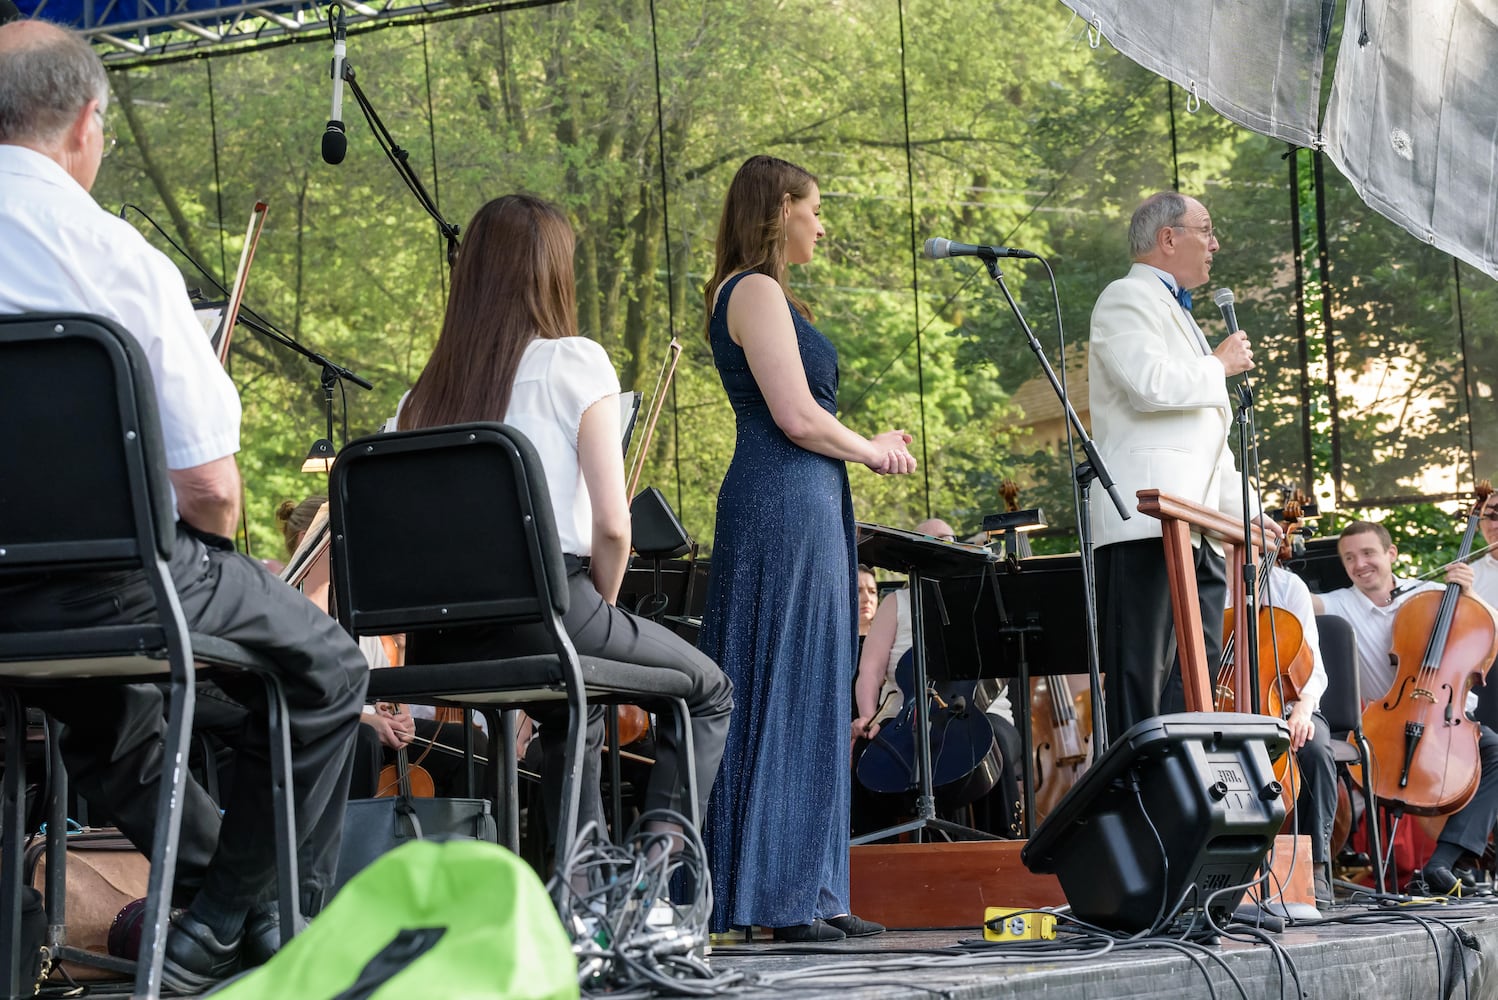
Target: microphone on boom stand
{"points": [[334, 141]]}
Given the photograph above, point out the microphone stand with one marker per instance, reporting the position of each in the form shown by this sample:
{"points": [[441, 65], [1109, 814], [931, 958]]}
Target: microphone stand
{"points": [[1250, 611], [401, 160], [1090, 468]]}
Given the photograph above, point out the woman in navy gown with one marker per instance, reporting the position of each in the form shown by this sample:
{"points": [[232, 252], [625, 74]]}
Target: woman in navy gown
{"points": [[781, 614]]}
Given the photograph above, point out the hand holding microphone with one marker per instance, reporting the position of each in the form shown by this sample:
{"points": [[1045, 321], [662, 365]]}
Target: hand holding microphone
{"points": [[1234, 352]]}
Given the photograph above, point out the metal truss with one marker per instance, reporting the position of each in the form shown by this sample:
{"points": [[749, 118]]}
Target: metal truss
{"points": [[133, 32]]}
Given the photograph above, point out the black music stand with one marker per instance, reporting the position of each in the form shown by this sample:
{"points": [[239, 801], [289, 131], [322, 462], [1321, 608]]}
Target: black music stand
{"points": [[920, 557]]}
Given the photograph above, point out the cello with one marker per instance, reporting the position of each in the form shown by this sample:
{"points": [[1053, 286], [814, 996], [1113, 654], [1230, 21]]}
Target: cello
{"points": [[1424, 744]]}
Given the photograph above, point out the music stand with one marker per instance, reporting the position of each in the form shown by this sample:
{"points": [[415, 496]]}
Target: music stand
{"points": [[920, 557]]}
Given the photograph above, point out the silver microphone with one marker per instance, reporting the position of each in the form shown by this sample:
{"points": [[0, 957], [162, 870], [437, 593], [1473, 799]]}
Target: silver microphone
{"points": [[938, 248], [1224, 299]]}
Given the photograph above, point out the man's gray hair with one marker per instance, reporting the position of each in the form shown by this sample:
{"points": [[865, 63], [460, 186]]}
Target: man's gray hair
{"points": [[1156, 212], [46, 77]]}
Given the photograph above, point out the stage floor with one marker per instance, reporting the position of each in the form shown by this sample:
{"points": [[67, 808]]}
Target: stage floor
{"points": [[1415, 951]]}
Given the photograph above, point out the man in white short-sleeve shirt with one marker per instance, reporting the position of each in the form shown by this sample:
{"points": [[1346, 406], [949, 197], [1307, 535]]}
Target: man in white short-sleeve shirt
{"points": [[62, 253], [1370, 606]]}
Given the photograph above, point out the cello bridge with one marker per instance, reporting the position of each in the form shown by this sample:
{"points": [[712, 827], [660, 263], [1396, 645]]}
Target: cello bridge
{"points": [[1423, 693]]}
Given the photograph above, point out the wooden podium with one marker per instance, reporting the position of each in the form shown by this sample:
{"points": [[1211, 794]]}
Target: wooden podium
{"points": [[1178, 518]]}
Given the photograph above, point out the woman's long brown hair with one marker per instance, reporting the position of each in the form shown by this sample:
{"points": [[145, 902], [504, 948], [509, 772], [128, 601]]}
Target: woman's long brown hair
{"points": [[512, 283], [751, 233]]}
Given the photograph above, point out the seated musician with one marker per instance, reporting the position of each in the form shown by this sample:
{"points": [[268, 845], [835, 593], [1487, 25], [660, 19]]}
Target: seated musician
{"points": [[1310, 735], [436, 745], [877, 698], [868, 598], [62, 252], [1370, 606], [509, 351]]}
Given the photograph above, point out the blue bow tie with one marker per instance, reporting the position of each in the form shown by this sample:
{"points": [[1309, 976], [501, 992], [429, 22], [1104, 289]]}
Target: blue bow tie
{"points": [[1182, 296]]}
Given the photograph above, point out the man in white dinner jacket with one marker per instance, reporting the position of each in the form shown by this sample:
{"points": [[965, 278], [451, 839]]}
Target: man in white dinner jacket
{"points": [[1162, 415]]}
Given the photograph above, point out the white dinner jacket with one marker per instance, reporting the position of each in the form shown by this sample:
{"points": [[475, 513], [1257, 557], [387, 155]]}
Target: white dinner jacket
{"points": [[1161, 412]]}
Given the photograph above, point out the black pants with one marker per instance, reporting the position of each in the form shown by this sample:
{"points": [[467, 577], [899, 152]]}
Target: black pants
{"points": [[1316, 803], [112, 742], [1137, 631], [597, 628], [1469, 826]]}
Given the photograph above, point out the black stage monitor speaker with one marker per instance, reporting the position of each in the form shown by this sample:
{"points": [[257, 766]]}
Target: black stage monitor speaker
{"points": [[1179, 808]]}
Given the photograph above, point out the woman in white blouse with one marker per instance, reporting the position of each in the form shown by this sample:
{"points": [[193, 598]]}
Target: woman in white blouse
{"points": [[509, 351]]}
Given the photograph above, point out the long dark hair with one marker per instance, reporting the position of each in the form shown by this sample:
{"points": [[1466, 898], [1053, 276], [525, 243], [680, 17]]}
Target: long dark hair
{"points": [[751, 233], [512, 283]]}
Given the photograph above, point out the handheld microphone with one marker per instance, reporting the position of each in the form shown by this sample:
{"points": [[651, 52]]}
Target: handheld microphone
{"points": [[1224, 299], [334, 142], [938, 248]]}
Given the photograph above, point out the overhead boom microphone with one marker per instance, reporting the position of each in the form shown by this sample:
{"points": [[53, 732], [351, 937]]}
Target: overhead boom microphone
{"points": [[938, 248], [334, 141]]}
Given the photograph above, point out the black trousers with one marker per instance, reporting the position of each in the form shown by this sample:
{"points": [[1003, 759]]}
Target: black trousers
{"points": [[112, 746], [1469, 826], [598, 628], [1316, 803], [1137, 632]]}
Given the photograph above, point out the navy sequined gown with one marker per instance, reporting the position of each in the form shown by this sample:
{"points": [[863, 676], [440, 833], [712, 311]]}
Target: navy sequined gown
{"points": [[781, 621]]}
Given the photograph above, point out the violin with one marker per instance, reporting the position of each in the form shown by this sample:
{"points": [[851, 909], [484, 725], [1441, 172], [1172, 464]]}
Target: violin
{"points": [[1426, 747], [405, 778]]}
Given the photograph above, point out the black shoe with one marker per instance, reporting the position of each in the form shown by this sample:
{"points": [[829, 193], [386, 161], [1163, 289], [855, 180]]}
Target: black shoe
{"points": [[816, 931], [855, 926], [195, 958], [1442, 881], [1468, 877], [262, 934]]}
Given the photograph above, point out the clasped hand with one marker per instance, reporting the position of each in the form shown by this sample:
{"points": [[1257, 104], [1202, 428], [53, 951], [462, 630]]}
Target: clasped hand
{"points": [[892, 454], [392, 723]]}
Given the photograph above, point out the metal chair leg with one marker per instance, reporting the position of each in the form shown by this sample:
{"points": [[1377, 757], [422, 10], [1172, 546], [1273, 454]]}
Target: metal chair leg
{"points": [[57, 840], [688, 758], [167, 833], [1370, 812], [510, 774], [288, 878], [12, 839]]}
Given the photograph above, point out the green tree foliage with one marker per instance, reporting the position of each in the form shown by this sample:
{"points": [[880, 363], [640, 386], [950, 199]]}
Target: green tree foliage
{"points": [[1000, 125]]}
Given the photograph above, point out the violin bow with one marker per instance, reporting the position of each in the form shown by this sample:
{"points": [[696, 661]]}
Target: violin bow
{"points": [[657, 403], [241, 278]]}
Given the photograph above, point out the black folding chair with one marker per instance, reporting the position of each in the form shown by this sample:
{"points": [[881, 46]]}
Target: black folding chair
{"points": [[83, 489], [1342, 706], [453, 526]]}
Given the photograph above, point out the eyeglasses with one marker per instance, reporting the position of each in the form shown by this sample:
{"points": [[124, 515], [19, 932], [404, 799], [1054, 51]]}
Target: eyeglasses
{"points": [[106, 129], [1207, 231]]}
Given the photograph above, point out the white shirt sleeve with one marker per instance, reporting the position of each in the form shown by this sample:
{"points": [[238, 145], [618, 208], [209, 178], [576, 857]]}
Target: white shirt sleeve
{"points": [[1291, 593], [580, 375]]}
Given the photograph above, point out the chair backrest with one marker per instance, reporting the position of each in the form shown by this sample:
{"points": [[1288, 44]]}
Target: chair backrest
{"points": [[82, 481], [1342, 704], [443, 526]]}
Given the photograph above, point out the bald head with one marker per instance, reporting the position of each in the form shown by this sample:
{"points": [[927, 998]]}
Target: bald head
{"points": [[936, 528], [48, 75]]}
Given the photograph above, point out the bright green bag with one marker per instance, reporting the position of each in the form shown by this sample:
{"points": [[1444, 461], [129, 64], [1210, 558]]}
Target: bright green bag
{"points": [[456, 919]]}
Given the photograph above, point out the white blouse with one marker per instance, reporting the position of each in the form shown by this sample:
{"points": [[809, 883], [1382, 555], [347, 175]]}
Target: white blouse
{"points": [[556, 383]]}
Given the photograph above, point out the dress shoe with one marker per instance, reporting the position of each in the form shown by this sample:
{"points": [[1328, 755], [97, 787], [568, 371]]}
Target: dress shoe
{"points": [[195, 958], [818, 931], [1324, 897], [855, 926], [262, 934], [1442, 881]]}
